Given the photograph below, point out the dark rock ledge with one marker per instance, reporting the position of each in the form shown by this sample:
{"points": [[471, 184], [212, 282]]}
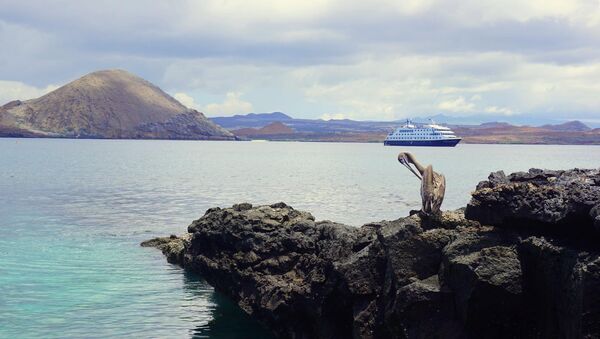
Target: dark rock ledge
{"points": [[449, 277]]}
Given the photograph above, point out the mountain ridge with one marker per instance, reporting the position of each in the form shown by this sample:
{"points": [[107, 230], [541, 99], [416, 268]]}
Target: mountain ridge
{"points": [[274, 128], [574, 126], [251, 120], [345, 130]]}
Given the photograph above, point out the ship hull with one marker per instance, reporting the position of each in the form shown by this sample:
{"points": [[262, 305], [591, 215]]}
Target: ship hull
{"points": [[430, 143]]}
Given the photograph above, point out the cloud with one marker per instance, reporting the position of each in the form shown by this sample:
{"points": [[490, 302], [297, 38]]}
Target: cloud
{"points": [[458, 105], [395, 87], [499, 110], [463, 106], [333, 116], [15, 90], [382, 59], [231, 106], [186, 100]]}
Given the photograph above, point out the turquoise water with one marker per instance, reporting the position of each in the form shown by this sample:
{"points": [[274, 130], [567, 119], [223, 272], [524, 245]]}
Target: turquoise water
{"points": [[73, 212]]}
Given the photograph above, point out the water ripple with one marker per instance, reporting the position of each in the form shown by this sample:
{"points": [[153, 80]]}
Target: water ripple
{"points": [[72, 214]]}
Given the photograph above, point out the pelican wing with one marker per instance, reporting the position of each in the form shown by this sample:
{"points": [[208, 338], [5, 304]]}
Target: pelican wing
{"points": [[439, 190], [433, 188]]}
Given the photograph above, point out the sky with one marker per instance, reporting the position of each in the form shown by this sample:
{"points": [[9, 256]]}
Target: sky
{"points": [[363, 60]]}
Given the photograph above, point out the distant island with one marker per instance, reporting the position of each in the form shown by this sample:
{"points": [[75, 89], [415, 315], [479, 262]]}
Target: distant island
{"points": [[112, 104], [115, 104], [278, 126]]}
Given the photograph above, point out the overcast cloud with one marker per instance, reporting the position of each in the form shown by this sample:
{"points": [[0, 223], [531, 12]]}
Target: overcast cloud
{"points": [[376, 60]]}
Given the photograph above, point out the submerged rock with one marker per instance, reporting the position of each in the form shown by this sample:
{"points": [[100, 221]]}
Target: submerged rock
{"points": [[415, 277]]}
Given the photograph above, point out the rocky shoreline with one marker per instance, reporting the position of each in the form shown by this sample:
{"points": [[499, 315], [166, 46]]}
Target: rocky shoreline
{"points": [[521, 261]]}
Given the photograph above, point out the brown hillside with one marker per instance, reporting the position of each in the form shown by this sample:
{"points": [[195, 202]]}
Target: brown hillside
{"points": [[108, 104], [275, 128]]}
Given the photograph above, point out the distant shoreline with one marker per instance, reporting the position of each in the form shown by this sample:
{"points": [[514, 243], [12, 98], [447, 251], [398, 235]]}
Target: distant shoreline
{"points": [[295, 140]]}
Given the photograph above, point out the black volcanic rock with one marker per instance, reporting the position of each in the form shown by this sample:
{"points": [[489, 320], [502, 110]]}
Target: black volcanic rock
{"points": [[595, 215], [173, 247], [560, 285], [276, 263], [307, 279], [483, 271], [409, 278], [552, 198]]}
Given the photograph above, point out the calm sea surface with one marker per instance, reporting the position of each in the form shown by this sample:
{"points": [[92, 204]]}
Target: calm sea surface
{"points": [[73, 212]]}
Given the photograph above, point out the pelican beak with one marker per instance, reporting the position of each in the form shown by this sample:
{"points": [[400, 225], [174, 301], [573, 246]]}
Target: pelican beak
{"points": [[412, 170], [404, 162]]}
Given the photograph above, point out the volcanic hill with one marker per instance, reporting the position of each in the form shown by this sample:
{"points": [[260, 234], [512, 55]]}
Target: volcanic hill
{"points": [[272, 129], [107, 104]]}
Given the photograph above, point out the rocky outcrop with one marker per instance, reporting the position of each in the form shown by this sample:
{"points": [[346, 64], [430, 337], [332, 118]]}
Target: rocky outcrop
{"points": [[191, 125], [173, 247], [568, 199], [415, 277]]}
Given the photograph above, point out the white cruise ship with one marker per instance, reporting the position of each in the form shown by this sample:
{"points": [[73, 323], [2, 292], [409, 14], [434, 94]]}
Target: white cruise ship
{"points": [[430, 134]]}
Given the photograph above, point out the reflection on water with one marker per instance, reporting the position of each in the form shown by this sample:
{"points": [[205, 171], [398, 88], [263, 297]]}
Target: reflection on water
{"points": [[73, 212], [227, 320]]}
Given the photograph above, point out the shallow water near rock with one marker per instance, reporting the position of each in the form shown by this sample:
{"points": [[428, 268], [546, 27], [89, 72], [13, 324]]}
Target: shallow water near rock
{"points": [[73, 212]]}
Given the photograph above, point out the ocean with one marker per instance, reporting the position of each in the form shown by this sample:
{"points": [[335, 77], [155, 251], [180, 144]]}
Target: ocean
{"points": [[73, 212]]}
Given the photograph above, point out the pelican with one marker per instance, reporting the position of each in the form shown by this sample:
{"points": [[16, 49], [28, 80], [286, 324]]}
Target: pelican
{"points": [[433, 185]]}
